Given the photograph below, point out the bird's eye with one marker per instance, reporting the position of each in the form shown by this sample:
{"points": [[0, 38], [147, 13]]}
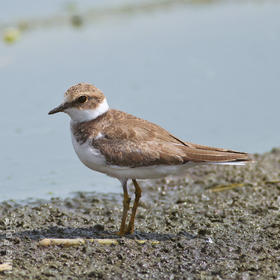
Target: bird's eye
{"points": [[82, 99]]}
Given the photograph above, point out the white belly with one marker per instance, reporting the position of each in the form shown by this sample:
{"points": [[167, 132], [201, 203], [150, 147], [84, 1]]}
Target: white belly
{"points": [[94, 160]]}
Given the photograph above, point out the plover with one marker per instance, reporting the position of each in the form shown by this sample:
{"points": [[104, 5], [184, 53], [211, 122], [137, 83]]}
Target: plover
{"points": [[126, 147]]}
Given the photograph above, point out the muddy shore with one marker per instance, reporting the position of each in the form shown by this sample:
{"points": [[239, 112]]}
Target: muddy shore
{"points": [[220, 222]]}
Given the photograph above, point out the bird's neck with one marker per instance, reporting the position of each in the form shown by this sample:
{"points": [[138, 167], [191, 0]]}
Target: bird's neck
{"points": [[85, 115]]}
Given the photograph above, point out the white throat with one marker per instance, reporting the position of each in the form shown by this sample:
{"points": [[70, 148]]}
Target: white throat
{"points": [[78, 115]]}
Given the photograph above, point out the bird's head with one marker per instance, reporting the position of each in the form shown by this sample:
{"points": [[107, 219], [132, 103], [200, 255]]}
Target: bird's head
{"points": [[83, 102]]}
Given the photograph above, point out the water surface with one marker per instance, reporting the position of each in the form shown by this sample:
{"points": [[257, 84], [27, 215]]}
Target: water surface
{"points": [[209, 73]]}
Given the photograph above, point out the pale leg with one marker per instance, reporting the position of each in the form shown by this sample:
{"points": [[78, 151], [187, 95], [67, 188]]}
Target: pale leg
{"points": [[126, 202], [138, 191]]}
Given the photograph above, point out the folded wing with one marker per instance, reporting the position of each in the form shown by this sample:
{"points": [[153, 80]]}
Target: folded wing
{"points": [[141, 143]]}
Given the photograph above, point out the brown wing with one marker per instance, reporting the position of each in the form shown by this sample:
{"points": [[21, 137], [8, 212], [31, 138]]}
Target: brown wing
{"points": [[135, 142]]}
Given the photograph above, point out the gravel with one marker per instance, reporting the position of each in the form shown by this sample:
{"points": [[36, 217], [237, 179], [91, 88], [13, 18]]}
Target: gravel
{"points": [[218, 222]]}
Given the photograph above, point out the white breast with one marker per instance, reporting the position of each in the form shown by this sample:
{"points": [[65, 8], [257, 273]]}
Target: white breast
{"points": [[88, 155]]}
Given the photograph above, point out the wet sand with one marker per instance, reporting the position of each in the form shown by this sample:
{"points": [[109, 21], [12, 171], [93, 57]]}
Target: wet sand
{"points": [[219, 222]]}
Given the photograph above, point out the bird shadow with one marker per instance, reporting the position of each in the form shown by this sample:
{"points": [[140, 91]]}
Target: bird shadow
{"points": [[93, 232]]}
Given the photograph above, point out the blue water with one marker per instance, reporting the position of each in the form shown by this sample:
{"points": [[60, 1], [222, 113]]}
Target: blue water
{"points": [[209, 73]]}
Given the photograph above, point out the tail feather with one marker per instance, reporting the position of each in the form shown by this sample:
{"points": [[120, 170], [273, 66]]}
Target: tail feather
{"points": [[240, 163], [214, 155]]}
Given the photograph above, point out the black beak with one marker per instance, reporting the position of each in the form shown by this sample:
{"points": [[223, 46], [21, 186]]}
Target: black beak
{"points": [[59, 108]]}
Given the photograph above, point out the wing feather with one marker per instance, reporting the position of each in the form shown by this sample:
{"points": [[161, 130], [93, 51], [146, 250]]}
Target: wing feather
{"points": [[135, 142]]}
